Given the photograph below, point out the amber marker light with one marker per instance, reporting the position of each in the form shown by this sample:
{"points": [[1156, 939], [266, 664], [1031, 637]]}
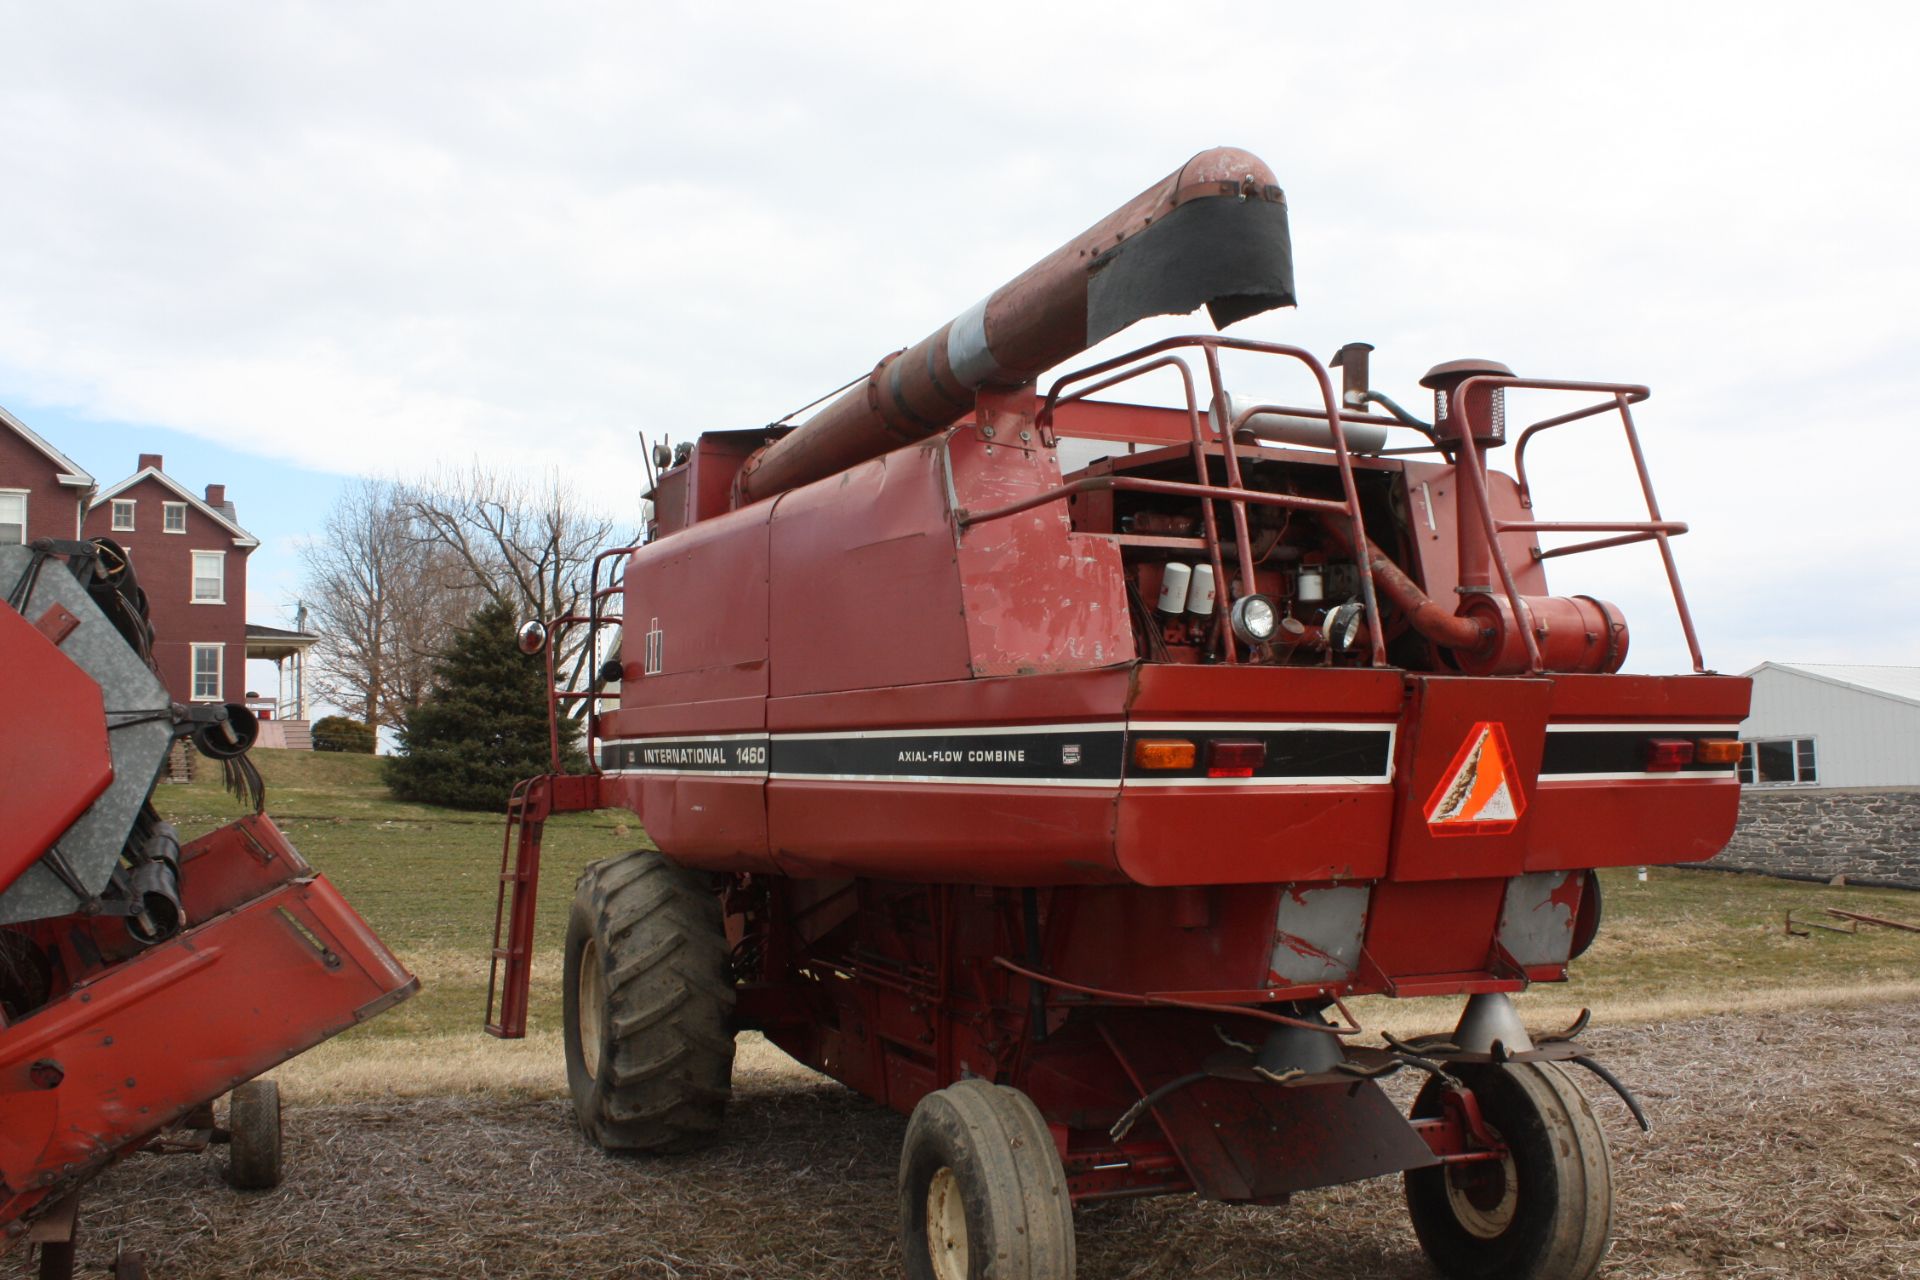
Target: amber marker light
{"points": [[1164, 753], [1717, 750]]}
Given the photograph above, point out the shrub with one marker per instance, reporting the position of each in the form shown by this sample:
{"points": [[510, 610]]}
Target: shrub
{"points": [[483, 724], [338, 733]]}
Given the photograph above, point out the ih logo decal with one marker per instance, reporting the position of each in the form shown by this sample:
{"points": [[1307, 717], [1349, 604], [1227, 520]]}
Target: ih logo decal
{"points": [[1480, 794]]}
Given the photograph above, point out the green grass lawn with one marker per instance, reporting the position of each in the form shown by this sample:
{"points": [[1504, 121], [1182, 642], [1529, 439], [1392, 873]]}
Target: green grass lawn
{"points": [[1682, 942], [424, 878]]}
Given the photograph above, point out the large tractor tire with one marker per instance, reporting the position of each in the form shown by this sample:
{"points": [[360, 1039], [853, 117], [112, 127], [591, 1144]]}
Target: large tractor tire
{"points": [[648, 999], [983, 1195], [1542, 1212]]}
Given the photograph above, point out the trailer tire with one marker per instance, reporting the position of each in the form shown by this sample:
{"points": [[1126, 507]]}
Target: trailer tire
{"points": [[253, 1128], [1543, 1213], [983, 1195], [647, 1006]]}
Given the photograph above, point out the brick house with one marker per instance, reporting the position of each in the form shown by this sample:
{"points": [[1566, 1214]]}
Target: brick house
{"points": [[190, 554], [43, 493]]}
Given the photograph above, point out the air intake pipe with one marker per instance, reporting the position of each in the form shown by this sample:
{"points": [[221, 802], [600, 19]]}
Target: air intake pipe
{"points": [[1213, 234]]}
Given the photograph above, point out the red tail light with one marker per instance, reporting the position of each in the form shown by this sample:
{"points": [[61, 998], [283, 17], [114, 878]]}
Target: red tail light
{"points": [[1227, 759], [1668, 755]]}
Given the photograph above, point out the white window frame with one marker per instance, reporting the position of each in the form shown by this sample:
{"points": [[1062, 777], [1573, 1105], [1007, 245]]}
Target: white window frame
{"points": [[193, 583], [219, 652], [1749, 767], [168, 510], [131, 505], [23, 495]]}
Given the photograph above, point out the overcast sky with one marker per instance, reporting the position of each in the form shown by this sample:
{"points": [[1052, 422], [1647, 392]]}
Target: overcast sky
{"points": [[377, 238]]}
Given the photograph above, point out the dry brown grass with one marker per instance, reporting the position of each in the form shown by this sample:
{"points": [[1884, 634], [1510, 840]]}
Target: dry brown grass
{"points": [[1786, 1145]]}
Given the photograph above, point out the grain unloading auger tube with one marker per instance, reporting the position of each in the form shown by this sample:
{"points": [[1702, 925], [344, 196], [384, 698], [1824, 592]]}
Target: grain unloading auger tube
{"points": [[140, 978], [1052, 768]]}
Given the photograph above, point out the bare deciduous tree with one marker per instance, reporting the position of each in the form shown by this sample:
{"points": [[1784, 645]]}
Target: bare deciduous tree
{"points": [[383, 600], [528, 545]]}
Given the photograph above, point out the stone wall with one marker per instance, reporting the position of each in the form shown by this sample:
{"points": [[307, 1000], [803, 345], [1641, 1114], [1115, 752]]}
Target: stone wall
{"points": [[1868, 836]]}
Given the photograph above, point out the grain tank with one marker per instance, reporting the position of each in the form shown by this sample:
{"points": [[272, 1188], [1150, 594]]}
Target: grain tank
{"points": [[1052, 765]]}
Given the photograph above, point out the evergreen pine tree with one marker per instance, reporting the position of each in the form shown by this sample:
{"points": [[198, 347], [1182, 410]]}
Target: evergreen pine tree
{"points": [[483, 725]]}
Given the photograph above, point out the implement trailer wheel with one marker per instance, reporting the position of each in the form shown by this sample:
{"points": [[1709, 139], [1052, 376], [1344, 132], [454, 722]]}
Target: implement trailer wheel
{"points": [[647, 997], [1543, 1212], [253, 1126], [983, 1195]]}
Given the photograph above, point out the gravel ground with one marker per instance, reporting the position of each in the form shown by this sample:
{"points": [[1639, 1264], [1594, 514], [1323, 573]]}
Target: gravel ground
{"points": [[1784, 1145]]}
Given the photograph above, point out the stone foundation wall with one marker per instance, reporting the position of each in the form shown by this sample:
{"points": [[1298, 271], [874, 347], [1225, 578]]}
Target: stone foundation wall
{"points": [[1868, 836]]}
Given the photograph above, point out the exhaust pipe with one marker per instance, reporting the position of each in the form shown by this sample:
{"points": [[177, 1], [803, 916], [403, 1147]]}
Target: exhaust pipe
{"points": [[1213, 234]]}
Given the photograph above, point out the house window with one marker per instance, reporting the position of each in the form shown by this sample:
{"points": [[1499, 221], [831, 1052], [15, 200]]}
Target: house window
{"points": [[209, 577], [1778, 762], [123, 515], [206, 672], [173, 517], [13, 516]]}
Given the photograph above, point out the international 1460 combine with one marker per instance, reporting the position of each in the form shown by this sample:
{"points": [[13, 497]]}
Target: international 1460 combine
{"points": [[1052, 768]]}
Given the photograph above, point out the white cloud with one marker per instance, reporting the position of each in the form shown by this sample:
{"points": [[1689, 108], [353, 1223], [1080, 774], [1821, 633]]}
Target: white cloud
{"points": [[374, 237]]}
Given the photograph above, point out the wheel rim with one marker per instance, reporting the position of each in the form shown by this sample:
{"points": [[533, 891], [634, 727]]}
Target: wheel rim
{"points": [[590, 998], [946, 1227], [1484, 1195]]}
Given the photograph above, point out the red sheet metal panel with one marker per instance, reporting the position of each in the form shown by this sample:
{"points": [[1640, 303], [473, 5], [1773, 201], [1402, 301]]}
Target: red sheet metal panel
{"points": [[943, 832], [865, 590], [1253, 835], [1292, 832], [1448, 715], [1630, 823], [1216, 939], [683, 640], [1059, 697], [53, 751], [717, 823], [1317, 692], [1435, 518], [1433, 927], [1038, 597]]}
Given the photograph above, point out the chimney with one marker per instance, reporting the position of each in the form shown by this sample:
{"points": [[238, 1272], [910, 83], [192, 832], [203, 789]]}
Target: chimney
{"points": [[217, 499], [150, 460]]}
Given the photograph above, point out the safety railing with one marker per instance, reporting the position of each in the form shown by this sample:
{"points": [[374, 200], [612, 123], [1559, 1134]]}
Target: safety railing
{"points": [[1657, 529], [1149, 359]]}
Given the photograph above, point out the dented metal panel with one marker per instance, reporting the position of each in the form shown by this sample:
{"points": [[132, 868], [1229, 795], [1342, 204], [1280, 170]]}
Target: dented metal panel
{"points": [[1536, 922], [1319, 933]]}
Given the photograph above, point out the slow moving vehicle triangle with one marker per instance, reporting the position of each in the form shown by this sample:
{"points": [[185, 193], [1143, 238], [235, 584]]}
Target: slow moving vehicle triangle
{"points": [[1480, 793]]}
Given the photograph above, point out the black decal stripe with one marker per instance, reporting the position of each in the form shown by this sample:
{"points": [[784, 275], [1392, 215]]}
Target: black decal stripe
{"points": [[1084, 755], [1616, 751], [1016, 756], [1291, 753], [686, 755]]}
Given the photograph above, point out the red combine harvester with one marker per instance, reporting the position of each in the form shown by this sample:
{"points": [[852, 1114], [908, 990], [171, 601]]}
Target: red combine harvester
{"points": [[140, 979], [1052, 768]]}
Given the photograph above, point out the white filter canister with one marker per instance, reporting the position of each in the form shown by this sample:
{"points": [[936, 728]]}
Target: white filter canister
{"points": [[1173, 587], [1200, 591], [1312, 588]]}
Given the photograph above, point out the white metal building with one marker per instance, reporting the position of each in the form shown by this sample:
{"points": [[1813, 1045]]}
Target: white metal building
{"points": [[1826, 725]]}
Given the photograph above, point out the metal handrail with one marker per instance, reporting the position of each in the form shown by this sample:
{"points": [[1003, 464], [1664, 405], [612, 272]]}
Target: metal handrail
{"points": [[1235, 493], [1209, 526], [1656, 528]]}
